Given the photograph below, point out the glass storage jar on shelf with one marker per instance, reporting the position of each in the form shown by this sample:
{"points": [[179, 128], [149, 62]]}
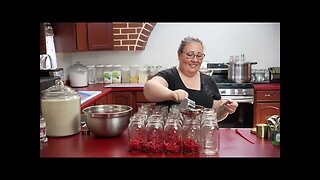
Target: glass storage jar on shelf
{"points": [[125, 75], [107, 73], [78, 75], [99, 73], [116, 73], [134, 74], [91, 74]]}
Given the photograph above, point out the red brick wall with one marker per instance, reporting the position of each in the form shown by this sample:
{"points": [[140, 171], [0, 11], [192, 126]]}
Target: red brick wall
{"points": [[131, 36]]}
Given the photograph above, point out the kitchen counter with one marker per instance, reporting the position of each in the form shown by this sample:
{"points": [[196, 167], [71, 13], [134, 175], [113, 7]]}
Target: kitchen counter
{"points": [[267, 86], [82, 145], [104, 92]]}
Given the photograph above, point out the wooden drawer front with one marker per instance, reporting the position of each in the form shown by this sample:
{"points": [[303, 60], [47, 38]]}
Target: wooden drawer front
{"points": [[268, 95], [140, 97]]}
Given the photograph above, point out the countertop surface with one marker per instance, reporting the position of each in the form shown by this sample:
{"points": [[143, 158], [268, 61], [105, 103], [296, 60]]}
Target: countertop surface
{"points": [[267, 86], [105, 91], [83, 145]]}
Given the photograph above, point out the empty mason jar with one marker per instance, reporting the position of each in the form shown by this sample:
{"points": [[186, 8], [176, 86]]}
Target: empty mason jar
{"points": [[99, 73], [91, 74], [210, 135]]}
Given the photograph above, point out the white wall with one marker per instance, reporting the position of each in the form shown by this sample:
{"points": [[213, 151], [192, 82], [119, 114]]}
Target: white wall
{"points": [[260, 42]]}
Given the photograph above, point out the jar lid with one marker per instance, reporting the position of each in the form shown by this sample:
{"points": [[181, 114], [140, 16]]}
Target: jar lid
{"points": [[78, 67], [59, 90]]}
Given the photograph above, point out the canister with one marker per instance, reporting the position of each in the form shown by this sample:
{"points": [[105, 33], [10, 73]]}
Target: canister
{"points": [[78, 75], [143, 75], [99, 73], [125, 75], [91, 74], [107, 73], [262, 130], [116, 73], [60, 106], [134, 74]]}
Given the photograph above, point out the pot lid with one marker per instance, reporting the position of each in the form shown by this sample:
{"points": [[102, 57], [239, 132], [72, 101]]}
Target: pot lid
{"points": [[59, 90]]}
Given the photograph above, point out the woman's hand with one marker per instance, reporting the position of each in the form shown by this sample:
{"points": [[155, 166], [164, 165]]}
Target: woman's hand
{"points": [[179, 95], [230, 106]]}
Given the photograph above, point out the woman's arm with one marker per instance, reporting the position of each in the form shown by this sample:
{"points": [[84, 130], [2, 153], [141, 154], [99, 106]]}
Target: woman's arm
{"points": [[156, 90], [224, 108]]}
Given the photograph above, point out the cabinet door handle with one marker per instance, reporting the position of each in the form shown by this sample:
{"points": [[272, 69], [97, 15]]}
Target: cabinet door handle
{"points": [[267, 95]]}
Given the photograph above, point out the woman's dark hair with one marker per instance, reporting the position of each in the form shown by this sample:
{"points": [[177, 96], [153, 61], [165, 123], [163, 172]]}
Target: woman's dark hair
{"points": [[187, 40]]}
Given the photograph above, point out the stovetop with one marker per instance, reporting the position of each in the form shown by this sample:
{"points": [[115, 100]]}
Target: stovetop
{"points": [[235, 85]]}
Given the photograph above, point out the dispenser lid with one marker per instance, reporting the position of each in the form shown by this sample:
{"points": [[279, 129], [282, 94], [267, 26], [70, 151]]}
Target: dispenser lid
{"points": [[59, 90], [78, 67]]}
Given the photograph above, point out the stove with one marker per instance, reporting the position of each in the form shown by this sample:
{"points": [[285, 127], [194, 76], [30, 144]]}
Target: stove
{"points": [[242, 93]]}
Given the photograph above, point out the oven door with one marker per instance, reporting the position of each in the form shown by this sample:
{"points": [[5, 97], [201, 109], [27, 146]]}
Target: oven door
{"points": [[243, 116]]}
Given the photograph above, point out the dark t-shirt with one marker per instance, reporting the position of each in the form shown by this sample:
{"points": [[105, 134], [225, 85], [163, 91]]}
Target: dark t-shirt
{"points": [[208, 91]]}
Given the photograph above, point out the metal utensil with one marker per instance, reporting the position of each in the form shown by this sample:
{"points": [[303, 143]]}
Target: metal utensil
{"points": [[187, 104]]}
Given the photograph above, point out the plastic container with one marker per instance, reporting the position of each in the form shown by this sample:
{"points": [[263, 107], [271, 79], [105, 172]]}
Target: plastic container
{"points": [[78, 75], [116, 74], [107, 73], [60, 106]]}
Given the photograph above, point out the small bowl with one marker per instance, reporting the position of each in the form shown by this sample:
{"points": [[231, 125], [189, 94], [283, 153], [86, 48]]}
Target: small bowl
{"points": [[107, 120]]}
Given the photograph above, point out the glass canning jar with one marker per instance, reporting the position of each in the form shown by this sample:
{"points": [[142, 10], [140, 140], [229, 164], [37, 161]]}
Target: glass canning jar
{"points": [[99, 73], [91, 74], [136, 134], [134, 74], [191, 136], [154, 137], [210, 135], [172, 136]]}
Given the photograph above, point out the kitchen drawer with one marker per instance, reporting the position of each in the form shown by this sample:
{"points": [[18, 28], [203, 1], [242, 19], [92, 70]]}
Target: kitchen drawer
{"points": [[262, 96], [140, 97]]}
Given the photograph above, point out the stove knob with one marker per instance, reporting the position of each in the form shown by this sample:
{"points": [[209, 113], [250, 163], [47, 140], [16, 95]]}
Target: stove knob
{"points": [[244, 92], [236, 91]]}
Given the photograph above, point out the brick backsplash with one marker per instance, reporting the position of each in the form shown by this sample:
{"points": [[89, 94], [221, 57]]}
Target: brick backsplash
{"points": [[131, 36]]}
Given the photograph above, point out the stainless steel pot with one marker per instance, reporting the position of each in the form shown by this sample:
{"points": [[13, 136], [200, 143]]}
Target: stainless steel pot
{"points": [[240, 72]]}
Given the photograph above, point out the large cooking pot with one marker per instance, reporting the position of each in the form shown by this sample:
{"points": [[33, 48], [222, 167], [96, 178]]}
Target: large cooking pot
{"points": [[240, 72]]}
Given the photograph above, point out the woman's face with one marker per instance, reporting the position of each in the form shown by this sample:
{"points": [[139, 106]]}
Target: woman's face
{"points": [[191, 58]]}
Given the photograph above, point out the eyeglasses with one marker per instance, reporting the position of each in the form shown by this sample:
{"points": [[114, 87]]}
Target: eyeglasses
{"points": [[191, 55]]}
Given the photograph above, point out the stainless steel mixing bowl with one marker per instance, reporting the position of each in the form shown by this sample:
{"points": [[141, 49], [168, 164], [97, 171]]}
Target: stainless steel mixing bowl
{"points": [[107, 120]]}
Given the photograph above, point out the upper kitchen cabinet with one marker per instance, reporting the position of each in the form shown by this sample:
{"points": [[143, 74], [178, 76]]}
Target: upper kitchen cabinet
{"points": [[42, 39], [72, 37]]}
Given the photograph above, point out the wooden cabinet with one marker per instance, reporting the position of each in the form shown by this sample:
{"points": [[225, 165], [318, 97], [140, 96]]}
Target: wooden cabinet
{"points": [[123, 98], [101, 101], [42, 39], [73, 37], [130, 98], [267, 103]]}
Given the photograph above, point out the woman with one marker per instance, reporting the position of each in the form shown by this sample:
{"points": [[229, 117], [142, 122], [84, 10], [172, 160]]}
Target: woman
{"points": [[171, 86]]}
